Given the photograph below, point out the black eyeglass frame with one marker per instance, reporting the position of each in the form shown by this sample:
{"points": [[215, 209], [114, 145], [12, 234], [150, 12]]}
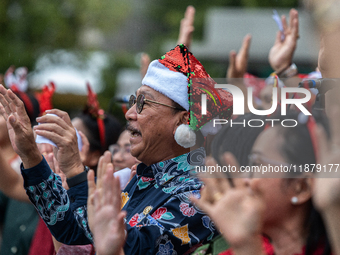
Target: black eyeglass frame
{"points": [[141, 98]]}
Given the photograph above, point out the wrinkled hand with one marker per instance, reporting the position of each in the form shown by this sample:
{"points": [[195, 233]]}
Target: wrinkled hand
{"points": [[106, 218], [281, 54], [238, 62], [19, 128], [60, 130], [237, 212], [187, 27]]}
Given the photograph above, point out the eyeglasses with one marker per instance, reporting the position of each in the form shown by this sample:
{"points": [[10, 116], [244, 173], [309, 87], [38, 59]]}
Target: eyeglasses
{"points": [[141, 101]]}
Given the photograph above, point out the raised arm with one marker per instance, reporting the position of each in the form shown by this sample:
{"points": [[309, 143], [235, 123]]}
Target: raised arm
{"points": [[282, 53], [19, 128], [238, 62], [187, 27], [237, 67], [63, 211], [327, 188]]}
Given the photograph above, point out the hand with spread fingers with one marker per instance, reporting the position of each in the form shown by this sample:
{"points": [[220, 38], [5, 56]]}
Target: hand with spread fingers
{"points": [[19, 128], [104, 205], [236, 211], [281, 54], [238, 62], [60, 130], [104, 163], [187, 27]]}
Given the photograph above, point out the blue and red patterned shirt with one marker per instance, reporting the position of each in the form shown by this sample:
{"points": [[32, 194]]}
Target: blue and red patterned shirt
{"points": [[160, 217]]}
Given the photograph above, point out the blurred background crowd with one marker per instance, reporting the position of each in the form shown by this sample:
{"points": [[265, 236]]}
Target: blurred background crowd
{"points": [[72, 54], [102, 42]]}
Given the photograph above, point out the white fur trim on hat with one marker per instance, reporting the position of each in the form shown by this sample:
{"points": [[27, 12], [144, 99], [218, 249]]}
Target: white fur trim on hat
{"points": [[173, 85]]}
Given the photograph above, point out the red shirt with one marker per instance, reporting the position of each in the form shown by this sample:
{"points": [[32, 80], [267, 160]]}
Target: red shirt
{"points": [[269, 249]]}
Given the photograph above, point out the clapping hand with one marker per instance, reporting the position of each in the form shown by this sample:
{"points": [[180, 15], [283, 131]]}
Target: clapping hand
{"points": [[106, 220], [59, 129], [19, 128]]}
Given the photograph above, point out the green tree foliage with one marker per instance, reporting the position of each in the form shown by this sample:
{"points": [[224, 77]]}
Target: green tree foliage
{"points": [[31, 27]]}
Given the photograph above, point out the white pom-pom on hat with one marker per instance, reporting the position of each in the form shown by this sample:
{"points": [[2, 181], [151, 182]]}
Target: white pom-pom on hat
{"points": [[185, 136]]}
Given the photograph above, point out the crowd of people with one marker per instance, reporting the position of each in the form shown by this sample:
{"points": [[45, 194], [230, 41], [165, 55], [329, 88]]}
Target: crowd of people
{"points": [[91, 186]]}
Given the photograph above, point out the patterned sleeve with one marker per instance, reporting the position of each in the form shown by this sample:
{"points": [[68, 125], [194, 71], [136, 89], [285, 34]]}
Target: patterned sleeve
{"points": [[64, 212], [177, 227]]}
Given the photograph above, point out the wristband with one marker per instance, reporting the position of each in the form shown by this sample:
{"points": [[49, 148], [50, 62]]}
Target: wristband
{"points": [[79, 178], [289, 72]]}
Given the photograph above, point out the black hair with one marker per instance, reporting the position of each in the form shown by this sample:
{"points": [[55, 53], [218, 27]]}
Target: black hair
{"points": [[297, 149], [237, 139], [112, 131]]}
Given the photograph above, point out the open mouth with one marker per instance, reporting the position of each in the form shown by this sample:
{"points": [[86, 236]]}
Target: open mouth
{"points": [[133, 131]]}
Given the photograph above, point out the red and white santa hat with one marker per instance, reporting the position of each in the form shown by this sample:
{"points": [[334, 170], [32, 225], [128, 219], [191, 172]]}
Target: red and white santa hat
{"points": [[181, 77]]}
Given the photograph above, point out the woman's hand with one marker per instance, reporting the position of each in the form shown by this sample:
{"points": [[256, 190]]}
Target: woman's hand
{"points": [[236, 211]]}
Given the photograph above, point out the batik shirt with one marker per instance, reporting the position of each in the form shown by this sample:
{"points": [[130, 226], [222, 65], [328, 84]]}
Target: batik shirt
{"points": [[160, 218]]}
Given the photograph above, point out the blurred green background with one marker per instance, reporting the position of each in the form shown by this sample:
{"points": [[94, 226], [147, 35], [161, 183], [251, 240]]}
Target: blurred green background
{"points": [[121, 29]]}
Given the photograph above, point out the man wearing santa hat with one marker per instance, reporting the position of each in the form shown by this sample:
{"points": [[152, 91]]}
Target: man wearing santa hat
{"points": [[167, 130]]}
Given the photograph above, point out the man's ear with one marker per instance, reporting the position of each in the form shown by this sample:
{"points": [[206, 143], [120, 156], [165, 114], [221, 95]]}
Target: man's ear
{"points": [[181, 118]]}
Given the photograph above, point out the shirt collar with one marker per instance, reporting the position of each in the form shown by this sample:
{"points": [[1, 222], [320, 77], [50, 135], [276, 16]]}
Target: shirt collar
{"points": [[164, 171]]}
